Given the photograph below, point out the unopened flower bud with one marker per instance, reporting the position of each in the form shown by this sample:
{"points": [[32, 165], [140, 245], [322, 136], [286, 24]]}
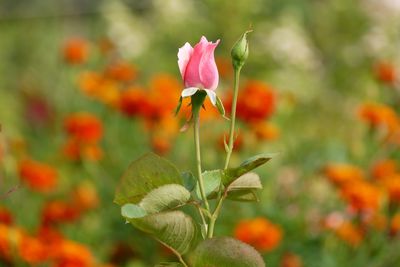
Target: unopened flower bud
{"points": [[240, 51]]}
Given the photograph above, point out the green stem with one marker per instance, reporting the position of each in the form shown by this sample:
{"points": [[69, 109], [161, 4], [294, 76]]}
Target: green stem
{"points": [[182, 261], [233, 117], [222, 197], [215, 215], [198, 158]]}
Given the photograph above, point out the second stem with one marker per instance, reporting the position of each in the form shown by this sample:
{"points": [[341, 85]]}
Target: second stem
{"points": [[198, 158]]}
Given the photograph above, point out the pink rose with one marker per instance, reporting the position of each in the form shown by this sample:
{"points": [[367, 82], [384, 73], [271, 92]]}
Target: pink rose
{"points": [[198, 68]]}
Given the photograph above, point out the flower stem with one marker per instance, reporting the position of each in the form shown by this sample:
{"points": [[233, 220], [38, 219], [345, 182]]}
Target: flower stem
{"points": [[222, 197], [198, 158], [233, 116]]}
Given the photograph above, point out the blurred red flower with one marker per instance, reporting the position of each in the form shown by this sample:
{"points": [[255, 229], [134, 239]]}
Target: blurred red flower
{"points": [[39, 176], [75, 50], [260, 233], [256, 102]]}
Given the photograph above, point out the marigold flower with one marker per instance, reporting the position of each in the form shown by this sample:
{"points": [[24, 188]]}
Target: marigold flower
{"points": [[32, 250], [70, 254], [340, 173], [84, 127], [265, 130], [385, 72], [362, 196], [384, 168], [75, 51], [4, 241], [256, 102], [100, 88], [59, 211], [85, 196], [260, 233], [198, 68], [135, 102], [5, 216], [378, 115], [349, 233], [39, 176], [291, 260], [121, 71], [395, 224], [392, 186], [164, 92]]}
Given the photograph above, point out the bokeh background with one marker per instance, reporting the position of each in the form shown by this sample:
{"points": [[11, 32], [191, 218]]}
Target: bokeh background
{"points": [[88, 86]]}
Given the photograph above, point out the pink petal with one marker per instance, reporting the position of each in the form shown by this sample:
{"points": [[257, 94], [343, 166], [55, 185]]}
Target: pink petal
{"points": [[192, 76], [184, 55], [208, 70]]}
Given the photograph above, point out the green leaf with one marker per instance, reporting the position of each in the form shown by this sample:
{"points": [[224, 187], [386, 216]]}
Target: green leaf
{"points": [[232, 174], [212, 180], [244, 188], [189, 181], [143, 175], [163, 198], [178, 107], [249, 180], [132, 211], [246, 195], [174, 229], [220, 107], [225, 252]]}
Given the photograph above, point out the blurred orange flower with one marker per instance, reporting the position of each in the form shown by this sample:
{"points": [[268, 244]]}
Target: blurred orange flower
{"points": [[395, 224], [5, 216], [39, 176], [71, 254], [379, 115], [135, 102], [386, 72], [349, 233], [225, 68], [84, 127], [59, 211], [340, 173], [85, 196], [392, 186], [260, 233], [291, 260], [384, 168], [75, 50], [362, 196], [265, 130], [256, 102], [100, 88], [32, 250], [121, 71]]}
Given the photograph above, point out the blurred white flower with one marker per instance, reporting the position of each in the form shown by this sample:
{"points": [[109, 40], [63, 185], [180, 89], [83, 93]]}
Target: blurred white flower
{"points": [[289, 43], [179, 10], [130, 34]]}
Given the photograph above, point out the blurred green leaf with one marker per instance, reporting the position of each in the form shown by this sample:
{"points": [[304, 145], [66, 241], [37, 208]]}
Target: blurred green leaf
{"points": [[225, 251], [144, 175]]}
